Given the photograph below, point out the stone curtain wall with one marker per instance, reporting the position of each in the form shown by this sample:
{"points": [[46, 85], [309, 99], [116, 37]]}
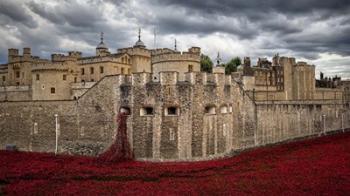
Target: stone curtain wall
{"points": [[280, 121], [30, 125], [215, 117], [86, 125]]}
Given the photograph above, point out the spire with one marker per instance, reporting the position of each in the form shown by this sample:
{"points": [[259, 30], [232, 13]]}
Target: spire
{"points": [[101, 45], [101, 37], [218, 59], [139, 43], [175, 45], [139, 34]]}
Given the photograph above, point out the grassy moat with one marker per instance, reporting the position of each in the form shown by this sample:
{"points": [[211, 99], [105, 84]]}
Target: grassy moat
{"points": [[319, 166]]}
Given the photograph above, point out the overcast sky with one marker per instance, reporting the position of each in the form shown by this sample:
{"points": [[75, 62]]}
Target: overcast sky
{"points": [[311, 30]]}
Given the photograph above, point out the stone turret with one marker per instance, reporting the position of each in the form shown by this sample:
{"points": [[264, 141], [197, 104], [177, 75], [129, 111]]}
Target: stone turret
{"points": [[12, 53]]}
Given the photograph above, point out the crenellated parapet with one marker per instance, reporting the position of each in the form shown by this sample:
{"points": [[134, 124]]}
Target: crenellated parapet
{"points": [[50, 66], [72, 56], [135, 51], [171, 57]]}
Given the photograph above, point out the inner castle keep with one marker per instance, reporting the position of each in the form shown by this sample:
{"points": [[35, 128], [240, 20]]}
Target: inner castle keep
{"points": [[175, 111]]}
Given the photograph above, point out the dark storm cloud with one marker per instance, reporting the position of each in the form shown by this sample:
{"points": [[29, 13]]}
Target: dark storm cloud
{"points": [[261, 6], [13, 11], [202, 26], [303, 28], [68, 12]]}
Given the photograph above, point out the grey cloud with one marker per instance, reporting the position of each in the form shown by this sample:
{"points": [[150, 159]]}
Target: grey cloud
{"points": [[234, 6], [69, 12], [17, 13], [268, 26]]}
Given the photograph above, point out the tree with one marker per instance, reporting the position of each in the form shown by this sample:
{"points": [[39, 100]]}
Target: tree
{"points": [[206, 64], [231, 66]]}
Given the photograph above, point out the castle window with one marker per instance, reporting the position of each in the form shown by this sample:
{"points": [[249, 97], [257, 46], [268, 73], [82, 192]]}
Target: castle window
{"points": [[75, 79], [37, 77], [3, 78], [125, 110], [92, 80], [122, 70], [230, 108], [319, 107], [53, 90], [171, 111], [129, 71], [91, 70], [190, 68], [223, 110], [64, 77], [82, 71], [101, 70], [171, 134], [18, 74], [146, 111], [35, 128], [210, 110]]}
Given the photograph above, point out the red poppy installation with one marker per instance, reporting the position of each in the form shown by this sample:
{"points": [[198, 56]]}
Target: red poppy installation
{"points": [[120, 149]]}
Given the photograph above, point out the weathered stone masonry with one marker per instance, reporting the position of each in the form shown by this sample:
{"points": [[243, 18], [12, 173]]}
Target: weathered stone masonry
{"points": [[204, 116]]}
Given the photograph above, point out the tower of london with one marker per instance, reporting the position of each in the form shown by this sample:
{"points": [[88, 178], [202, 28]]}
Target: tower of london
{"points": [[175, 111]]}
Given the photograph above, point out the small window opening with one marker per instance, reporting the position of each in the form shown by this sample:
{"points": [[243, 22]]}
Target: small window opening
{"points": [[172, 111], [146, 111], [190, 68], [82, 71], [223, 110], [53, 90], [64, 77], [210, 110], [171, 134], [101, 70], [125, 110], [37, 76]]}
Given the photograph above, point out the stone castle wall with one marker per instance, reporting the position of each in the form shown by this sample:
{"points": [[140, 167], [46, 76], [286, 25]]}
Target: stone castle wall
{"points": [[285, 120], [86, 125], [213, 116]]}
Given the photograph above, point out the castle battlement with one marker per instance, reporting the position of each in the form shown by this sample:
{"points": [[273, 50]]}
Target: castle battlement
{"points": [[159, 51], [59, 66], [72, 56], [175, 57], [135, 51], [96, 59]]}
